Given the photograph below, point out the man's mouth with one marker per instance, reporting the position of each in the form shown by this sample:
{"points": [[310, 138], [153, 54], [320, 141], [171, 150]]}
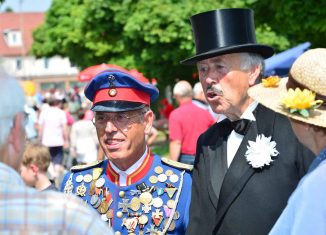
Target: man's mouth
{"points": [[213, 91]]}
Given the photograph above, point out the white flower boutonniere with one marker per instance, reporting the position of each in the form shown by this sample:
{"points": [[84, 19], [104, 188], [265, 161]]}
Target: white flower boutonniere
{"points": [[260, 153]]}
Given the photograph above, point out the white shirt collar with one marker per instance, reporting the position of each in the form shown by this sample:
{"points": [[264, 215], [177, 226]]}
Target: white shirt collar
{"points": [[124, 174], [248, 113]]}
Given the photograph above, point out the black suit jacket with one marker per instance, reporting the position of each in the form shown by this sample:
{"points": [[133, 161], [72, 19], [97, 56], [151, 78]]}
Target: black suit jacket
{"points": [[244, 200]]}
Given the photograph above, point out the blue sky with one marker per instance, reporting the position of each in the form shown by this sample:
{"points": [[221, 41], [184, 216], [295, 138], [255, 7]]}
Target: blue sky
{"points": [[26, 5]]}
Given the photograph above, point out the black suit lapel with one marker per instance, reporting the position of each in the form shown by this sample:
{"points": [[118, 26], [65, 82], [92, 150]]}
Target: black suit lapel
{"points": [[240, 171], [217, 167]]}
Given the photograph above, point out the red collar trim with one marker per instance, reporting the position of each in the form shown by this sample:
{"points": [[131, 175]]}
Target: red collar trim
{"points": [[112, 174], [138, 174], [142, 170]]}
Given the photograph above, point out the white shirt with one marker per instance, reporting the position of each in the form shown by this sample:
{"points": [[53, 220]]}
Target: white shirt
{"points": [[235, 139], [124, 174]]}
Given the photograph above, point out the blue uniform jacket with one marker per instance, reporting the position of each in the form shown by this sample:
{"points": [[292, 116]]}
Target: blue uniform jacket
{"points": [[155, 201]]}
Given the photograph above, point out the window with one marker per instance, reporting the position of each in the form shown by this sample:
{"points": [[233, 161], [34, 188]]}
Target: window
{"points": [[13, 37], [46, 63], [19, 64]]}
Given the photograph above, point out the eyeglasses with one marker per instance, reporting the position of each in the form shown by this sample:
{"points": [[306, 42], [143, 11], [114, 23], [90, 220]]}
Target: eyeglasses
{"points": [[120, 120]]}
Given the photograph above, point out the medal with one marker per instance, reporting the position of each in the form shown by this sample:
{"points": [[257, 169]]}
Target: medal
{"points": [[157, 217], [94, 200], [162, 178], [146, 208], [171, 226], [157, 202], [134, 204], [130, 223], [167, 211], [121, 194], [88, 178], [153, 179], [176, 215], [97, 172], [92, 189], [174, 178], [169, 172], [103, 208], [119, 214], [158, 170], [81, 190], [171, 203], [124, 205], [170, 191], [145, 198], [160, 191], [100, 182], [79, 178]]}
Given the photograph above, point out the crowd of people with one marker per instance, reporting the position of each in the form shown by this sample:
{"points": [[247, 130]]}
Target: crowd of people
{"points": [[246, 152]]}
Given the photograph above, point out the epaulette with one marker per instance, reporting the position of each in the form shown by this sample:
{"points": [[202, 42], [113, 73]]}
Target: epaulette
{"points": [[85, 167], [177, 164]]}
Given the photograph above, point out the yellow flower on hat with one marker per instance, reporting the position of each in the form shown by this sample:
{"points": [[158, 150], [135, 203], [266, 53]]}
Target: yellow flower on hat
{"points": [[271, 81], [298, 101]]}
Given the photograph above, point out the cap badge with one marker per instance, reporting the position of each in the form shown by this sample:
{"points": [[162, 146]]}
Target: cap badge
{"points": [[112, 92]]}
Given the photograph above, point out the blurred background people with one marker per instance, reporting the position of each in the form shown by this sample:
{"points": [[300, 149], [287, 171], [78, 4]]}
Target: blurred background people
{"points": [[35, 164], [53, 132], [31, 125], [186, 123], [83, 140]]}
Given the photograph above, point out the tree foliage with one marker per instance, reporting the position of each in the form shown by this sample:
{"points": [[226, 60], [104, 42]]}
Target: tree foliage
{"points": [[299, 21], [152, 36]]}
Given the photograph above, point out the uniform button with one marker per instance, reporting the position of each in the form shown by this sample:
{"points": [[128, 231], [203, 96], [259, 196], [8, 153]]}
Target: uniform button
{"points": [[119, 214], [121, 193], [117, 233]]}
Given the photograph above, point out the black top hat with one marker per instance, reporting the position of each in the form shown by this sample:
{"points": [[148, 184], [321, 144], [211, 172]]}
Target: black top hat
{"points": [[225, 31]]}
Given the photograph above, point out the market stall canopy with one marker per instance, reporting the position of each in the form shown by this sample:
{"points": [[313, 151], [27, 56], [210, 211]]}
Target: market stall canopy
{"points": [[281, 63]]}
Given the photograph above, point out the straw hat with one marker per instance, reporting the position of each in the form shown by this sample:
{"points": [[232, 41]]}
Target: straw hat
{"points": [[307, 72]]}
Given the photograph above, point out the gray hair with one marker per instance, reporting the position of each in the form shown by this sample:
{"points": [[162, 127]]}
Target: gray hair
{"points": [[198, 89], [182, 88], [12, 101], [250, 60]]}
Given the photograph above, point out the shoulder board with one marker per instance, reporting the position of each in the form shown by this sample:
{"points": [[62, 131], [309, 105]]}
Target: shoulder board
{"points": [[177, 164], [85, 167]]}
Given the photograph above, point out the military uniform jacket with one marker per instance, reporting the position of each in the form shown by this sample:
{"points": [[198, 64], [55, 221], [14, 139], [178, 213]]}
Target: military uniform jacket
{"points": [[155, 201], [242, 199]]}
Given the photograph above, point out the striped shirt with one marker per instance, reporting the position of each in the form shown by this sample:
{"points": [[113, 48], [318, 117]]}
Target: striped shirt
{"points": [[24, 210]]}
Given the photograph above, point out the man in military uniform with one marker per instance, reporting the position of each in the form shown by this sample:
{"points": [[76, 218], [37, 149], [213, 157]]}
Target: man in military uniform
{"points": [[135, 191]]}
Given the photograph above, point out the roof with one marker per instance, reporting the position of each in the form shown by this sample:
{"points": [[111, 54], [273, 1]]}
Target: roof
{"points": [[25, 23]]}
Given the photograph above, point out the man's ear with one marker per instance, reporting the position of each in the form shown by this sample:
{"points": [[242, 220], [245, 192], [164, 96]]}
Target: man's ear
{"points": [[34, 168], [148, 121], [253, 75]]}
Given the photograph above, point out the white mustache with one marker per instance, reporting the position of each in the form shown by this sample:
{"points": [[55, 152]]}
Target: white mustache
{"points": [[216, 89]]}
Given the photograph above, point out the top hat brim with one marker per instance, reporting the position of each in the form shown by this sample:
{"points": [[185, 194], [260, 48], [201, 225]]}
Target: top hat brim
{"points": [[263, 50]]}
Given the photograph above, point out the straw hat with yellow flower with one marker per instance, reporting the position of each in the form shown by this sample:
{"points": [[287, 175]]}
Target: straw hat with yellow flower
{"points": [[300, 96]]}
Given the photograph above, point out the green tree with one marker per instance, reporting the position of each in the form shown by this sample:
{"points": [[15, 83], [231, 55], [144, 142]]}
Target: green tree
{"points": [[299, 21], [152, 36]]}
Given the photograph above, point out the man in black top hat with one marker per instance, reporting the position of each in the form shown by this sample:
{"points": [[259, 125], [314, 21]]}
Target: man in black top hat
{"points": [[248, 164]]}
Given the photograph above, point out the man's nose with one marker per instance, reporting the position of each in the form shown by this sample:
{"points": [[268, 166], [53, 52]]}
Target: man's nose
{"points": [[110, 126]]}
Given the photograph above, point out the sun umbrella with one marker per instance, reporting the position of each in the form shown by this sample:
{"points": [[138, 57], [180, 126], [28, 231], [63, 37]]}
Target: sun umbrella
{"points": [[281, 63], [90, 72], [138, 75]]}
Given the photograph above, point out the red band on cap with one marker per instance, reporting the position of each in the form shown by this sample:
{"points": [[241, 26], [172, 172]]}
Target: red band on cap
{"points": [[122, 94]]}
